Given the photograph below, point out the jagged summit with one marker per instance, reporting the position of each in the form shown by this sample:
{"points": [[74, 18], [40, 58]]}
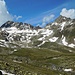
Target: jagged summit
{"points": [[19, 25], [62, 19], [61, 22], [38, 27]]}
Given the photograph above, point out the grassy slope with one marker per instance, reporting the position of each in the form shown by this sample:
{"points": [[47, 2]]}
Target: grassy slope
{"points": [[37, 61]]}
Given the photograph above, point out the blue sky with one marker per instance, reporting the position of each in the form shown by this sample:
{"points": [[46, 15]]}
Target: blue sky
{"points": [[36, 12]]}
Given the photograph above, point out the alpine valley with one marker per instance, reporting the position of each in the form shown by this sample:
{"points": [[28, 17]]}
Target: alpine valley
{"points": [[29, 50]]}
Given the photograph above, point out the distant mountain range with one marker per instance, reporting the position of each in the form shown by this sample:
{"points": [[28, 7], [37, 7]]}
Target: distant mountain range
{"points": [[18, 34]]}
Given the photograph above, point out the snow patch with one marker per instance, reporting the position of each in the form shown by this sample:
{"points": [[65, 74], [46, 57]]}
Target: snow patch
{"points": [[55, 23], [15, 50], [64, 41], [5, 73], [41, 44], [40, 39], [53, 39], [47, 32], [71, 45], [68, 70], [70, 51], [62, 25], [71, 23], [3, 43]]}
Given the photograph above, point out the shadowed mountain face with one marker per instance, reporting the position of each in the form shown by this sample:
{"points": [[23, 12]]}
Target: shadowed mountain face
{"points": [[61, 31], [1, 73], [19, 25], [61, 19]]}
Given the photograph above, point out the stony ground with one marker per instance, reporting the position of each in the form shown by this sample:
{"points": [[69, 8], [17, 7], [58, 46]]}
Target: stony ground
{"points": [[38, 61]]}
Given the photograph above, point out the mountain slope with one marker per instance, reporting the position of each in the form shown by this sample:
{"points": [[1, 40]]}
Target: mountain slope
{"points": [[64, 29], [61, 31], [28, 50]]}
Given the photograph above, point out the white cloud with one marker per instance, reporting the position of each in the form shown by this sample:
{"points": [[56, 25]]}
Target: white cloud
{"points": [[4, 14], [48, 18], [68, 13], [43, 24], [17, 17]]}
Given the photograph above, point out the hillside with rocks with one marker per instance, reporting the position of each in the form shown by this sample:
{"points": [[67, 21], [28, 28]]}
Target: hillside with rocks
{"points": [[29, 50]]}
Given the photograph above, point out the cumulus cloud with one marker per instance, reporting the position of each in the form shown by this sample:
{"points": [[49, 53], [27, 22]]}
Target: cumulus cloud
{"points": [[68, 13], [17, 17], [4, 14]]}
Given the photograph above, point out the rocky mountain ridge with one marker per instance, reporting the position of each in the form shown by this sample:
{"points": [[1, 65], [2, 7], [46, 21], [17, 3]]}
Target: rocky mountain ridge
{"points": [[15, 34]]}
